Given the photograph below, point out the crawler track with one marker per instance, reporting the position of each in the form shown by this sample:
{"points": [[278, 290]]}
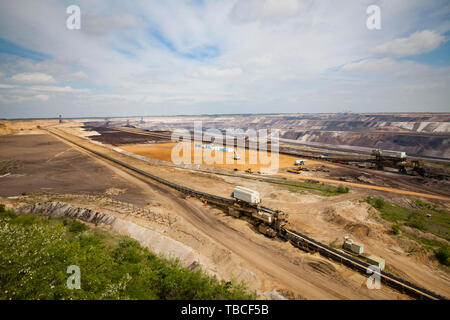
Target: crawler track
{"points": [[297, 239]]}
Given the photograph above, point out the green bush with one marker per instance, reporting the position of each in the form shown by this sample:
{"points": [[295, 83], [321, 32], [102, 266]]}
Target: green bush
{"points": [[417, 220], [379, 203], [2, 207], [77, 227], [443, 254], [342, 189], [396, 228], [7, 213]]}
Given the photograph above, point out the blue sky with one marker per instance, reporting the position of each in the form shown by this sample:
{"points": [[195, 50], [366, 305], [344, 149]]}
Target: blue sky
{"points": [[223, 56]]}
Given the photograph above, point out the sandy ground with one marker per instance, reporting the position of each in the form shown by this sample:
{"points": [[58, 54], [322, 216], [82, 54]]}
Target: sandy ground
{"points": [[22, 126], [248, 158], [306, 218], [235, 248]]}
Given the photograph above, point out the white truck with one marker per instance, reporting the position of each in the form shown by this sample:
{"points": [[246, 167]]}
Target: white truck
{"points": [[246, 195], [300, 162]]}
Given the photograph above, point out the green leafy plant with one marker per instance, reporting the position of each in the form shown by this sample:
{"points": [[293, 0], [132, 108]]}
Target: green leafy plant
{"points": [[35, 252]]}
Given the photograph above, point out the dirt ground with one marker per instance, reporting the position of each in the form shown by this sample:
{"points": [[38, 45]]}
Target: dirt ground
{"points": [[304, 211], [234, 247], [23, 126], [43, 164]]}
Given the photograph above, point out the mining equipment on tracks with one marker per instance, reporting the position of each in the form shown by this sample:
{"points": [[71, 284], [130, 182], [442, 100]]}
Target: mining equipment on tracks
{"points": [[247, 204]]}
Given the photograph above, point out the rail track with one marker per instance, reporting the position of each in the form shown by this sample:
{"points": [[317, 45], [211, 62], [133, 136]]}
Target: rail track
{"points": [[296, 238]]}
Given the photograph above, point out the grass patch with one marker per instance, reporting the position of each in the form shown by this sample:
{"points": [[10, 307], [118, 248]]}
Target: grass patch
{"points": [[423, 215], [441, 249], [389, 211], [35, 252], [301, 186]]}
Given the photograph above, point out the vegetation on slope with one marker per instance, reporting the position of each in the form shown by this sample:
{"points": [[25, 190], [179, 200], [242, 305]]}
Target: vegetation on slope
{"points": [[423, 216], [36, 251], [300, 186]]}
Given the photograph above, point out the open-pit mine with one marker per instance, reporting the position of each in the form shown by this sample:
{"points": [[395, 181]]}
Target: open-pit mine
{"points": [[350, 193]]}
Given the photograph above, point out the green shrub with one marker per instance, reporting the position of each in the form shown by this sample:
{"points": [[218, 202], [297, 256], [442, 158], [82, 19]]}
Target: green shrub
{"points": [[77, 227], [443, 254], [8, 214], [396, 228], [342, 189], [379, 203], [2, 207], [417, 220], [24, 219]]}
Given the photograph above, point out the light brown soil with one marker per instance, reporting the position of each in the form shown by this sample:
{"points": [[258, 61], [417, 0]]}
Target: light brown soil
{"points": [[278, 264], [234, 245]]}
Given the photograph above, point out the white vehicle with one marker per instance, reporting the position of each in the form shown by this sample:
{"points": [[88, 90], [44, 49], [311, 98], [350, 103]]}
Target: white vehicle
{"points": [[247, 195], [300, 162]]}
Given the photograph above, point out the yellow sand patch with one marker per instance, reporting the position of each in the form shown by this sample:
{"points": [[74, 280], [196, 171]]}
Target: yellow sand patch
{"points": [[253, 159]]}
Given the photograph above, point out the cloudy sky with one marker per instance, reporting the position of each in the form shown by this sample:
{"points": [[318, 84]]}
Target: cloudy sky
{"points": [[223, 56]]}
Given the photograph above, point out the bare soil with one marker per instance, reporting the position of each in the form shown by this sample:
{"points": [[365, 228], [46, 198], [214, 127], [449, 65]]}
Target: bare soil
{"points": [[232, 245]]}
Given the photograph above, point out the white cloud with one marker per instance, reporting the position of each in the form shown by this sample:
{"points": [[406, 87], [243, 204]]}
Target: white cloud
{"points": [[245, 11], [386, 67], [417, 43], [31, 78], [80, 75], [57, 89], [102, 24], [6, 86], [214, 73], [369, 66], [41, 97], [267, 55]]}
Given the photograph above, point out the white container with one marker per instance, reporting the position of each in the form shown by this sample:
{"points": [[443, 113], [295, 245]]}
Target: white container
{"points": [[247, 195], [377, 261], [353, 246], [394, 154], [390, 153]]}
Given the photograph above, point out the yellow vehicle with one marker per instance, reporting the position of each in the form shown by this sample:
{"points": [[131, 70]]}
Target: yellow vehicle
{"points": [[297, 170]]}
